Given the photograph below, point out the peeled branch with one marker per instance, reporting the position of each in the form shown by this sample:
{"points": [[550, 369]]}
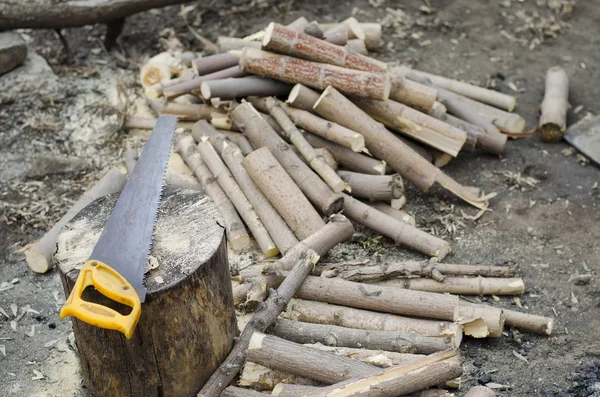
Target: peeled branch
{"points": [[554, 107], [242, 87], [302, 97]]}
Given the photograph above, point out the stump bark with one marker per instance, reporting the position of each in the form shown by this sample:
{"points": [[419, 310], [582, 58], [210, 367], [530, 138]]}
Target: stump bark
{"points": [[188, 323]]}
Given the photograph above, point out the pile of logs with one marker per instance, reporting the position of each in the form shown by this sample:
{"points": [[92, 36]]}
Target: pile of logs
{"points": [[295, 125]]}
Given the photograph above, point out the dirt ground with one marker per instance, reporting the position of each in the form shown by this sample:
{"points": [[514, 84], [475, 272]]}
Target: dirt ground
{"points": [[545, 218]]}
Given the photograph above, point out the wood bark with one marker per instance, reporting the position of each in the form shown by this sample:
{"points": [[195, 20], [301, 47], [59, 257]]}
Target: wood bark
{"points": [[398, 214], [356, 46], [260, 134], [316, 75], [412, 93], [234, 227], [480, 94], [200, 272], [195, 84], [280, 39], [461, 286], [282, 192], [39, 255], [229, 185], [302, 97], [233, 157], [323, 313], [398, 231], [480, 391], [529, 322], [333, 335], [191, 112], [292, 133], [225, 44], [415, 124], [242, 87], [374, 187], [554, 107], [215, 63], [384, 145]]}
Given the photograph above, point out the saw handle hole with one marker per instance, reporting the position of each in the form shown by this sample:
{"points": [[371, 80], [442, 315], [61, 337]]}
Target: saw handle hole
{"points": [[91, 294]]}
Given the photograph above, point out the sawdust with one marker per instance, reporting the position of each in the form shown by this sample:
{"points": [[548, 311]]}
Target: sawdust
{"points": [[75, 247]]}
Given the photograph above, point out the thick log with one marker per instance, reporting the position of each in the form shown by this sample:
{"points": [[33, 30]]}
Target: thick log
{"points": [[260, 134], [412, 93], [373, 187], [315, 75], [242, 87], [332, 335], [225, 44], [280, 39], [189, 112], [195, 84], [234, 227], [415, 124], [302, 97], [214, 63], [480, 391], [190, 249], [461, 285], [384, 145], [400, 232], [554, 107], [282, 192], [398, 214], [39, 255]]}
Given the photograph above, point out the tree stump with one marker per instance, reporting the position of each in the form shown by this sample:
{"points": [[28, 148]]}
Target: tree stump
{"points": [[188, 320]]}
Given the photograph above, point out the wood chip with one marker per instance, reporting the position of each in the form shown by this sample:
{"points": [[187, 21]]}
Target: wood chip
{"points": [[159, 279], [574, 299], [13, 325], [4, 313], [38, 375], [32, 332], [14, 309], [517, 301], [519, 356], [493, 385], [50, 343], [3, 350]]}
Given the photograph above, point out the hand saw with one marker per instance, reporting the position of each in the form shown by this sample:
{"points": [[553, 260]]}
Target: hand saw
{"points": [[118, 262]]}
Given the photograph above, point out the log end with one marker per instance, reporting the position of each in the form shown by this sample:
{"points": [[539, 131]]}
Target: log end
{"points": [[271, 252], [398, 203], [205, 91], [241, 243], [37, 261], [152, 92], [268, 34], [550, 132]]}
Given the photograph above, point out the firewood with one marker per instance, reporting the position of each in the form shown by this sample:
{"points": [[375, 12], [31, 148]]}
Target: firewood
{"points": [[39, 255], [316, 75], [332, 335], [233, 157], [461, 286], [480, 391], [438, 110], [259, 377], [441, 159], [372, 32], [356, 46], [157, 90], [153, 73], [328, 157], [313, 29], [397, 204], [260, 134], [323, 313], [400, 215], [473, 131], [290, 390], [336, 35], [239, 139], [480, 94], [299, 24], [306, 150], [415, 124], [337, 230], [384, 145], [412, 93], [374, 187], [478, 320], [233, 391], [351, 25], [302, 97], [529, 322], [142, 123], [215, 63], [182, 111], [234, 227], [282, 192], [554, 107], [398, 231], [280, 39], [242, 87], [195, 84], [225, 44], [229, 185]]}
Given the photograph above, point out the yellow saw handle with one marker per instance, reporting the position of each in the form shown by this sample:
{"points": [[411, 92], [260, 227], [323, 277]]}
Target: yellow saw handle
{"points": [[112, 285]]}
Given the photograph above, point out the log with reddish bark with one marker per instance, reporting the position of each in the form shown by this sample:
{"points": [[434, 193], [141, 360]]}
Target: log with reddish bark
{"points": [[317, 75], [554, 107], [195, 84], [373, 187], [242, 87]]}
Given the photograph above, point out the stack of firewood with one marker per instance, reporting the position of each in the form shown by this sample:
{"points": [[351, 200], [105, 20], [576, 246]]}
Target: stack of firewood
{"points": [[297, 123]]}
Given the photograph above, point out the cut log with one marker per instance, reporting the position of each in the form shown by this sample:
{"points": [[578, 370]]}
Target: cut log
{"points": [[236, 232], [260, 134], [397, 204], [229, 185], [529, 322], [473, 131], [240, 140], [400, 215], [299, 24], [480, 391], [215, 63], [384, 145], [39, 255], [332, 335], [373, 39], [292, 133], [554, 107], [195, 84], [336, 35], [233, 391], [398, 231], [302, 97], [356, 46], [412, 93], [374, 187], [316, 75], [13, 51], [259, 377], [313, 29], [283, 40], [328, 157], [191, 112], [225, 44], [290, 390], [187, 232], [323, 313], [461, 285], [415, 124], [242, 87]]}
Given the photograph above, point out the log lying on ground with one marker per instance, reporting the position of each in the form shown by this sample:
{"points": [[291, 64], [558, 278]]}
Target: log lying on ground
{"points": [[529, 322], [282, 192], [260, 134], [283, 40], [400, 215], [374, 187], [292, 133], [415, 124], [214, 63], [229, 185], [234, 227], [323, 313], [461, 286], [225, 44], [192, 85], [398, 231], [141, 123], [316, 75], [353, 27], [480, 94], [242, 87], [299, 24], [336, 231], [384, 145], [473, 131], [191, 112], [259, 377], [554, 107], [290, 390], [39, 255], [412, 93], [302, 97], [332, 335], [480, 391]]}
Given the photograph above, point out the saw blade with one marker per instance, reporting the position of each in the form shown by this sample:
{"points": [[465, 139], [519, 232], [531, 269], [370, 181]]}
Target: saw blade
{"points": [[126, 240]]}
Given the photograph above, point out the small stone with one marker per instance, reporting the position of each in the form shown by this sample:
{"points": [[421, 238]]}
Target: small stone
{"points": [[484, 378], [478, 362]]}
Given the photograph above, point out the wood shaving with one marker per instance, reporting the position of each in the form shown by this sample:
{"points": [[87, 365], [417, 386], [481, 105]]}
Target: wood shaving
{"points": [[38, 375], [3, 350], [14, 308], [519, 356], [32, 332]]}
